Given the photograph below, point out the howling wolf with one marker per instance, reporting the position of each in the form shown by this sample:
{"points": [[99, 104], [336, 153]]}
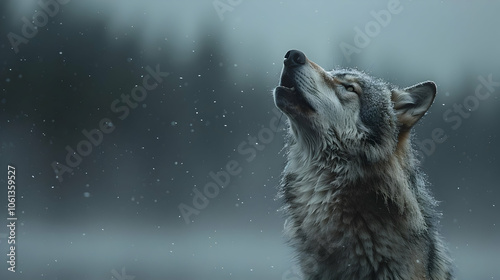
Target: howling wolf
{"points": [[356, 203]]}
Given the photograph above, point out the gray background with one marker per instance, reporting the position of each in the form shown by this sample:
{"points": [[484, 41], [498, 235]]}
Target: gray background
{"points": [[117, 214]]}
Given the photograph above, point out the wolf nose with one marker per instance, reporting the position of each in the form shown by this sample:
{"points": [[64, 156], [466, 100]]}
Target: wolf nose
{"points": [[294, 58]]}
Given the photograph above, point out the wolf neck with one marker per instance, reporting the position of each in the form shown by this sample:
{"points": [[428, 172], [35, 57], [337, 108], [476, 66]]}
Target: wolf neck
{"points": [[321, 186]]}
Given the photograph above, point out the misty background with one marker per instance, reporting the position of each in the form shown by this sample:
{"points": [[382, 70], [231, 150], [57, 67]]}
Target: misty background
{"points": [[116, 215]]}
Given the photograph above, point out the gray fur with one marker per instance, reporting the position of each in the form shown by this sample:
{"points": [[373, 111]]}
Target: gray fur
{"points": [[357, 206]]}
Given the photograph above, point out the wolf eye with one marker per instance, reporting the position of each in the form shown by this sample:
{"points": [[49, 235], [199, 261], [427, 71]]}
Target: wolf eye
{"points": [[349, 88]]}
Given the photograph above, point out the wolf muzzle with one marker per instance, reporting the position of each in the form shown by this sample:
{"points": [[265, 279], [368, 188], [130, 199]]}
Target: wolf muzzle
{"points": [[288, 96]]}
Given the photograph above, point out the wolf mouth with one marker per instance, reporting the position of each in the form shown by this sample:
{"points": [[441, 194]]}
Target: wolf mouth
{"points": [[290, 97]]}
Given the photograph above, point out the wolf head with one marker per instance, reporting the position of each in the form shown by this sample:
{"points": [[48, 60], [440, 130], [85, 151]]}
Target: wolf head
{"points": [[347, 112]]}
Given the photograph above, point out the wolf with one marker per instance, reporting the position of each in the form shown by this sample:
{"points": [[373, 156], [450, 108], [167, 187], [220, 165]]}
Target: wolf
{"points": [[356, 204]]}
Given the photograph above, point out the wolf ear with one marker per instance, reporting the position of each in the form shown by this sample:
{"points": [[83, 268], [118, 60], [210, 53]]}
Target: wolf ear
{"points": [[412, 102]]}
